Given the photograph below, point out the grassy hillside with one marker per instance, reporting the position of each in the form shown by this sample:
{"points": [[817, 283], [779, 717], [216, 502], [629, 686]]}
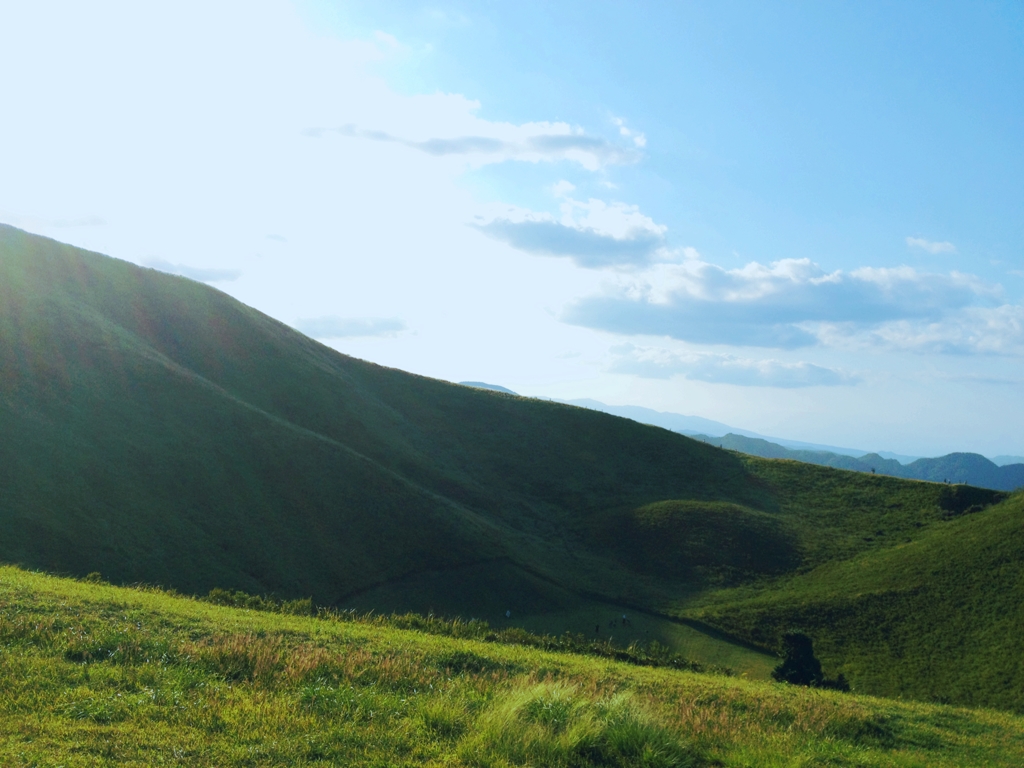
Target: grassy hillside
{"points": [[936, 616], [157, 430], [97, 675]]}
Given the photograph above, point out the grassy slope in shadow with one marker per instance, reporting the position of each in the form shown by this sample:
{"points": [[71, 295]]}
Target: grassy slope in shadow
{"points": [[934, 617]]}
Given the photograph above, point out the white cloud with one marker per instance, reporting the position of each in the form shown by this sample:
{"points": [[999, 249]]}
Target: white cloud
{"points": [[787, 304], [491, 142], [593, 233], [931, 246], [659, 363], [995, 330], [587, 247], [611, 219], [638, 138]]}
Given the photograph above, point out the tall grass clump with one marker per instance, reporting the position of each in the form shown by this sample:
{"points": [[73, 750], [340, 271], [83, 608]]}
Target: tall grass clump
{"points": [[554, 724]]}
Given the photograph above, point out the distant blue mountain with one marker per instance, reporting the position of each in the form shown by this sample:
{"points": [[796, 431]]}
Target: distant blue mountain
{"points": [[969, 468], [1002, 461], [483, 385], [696, 425]]}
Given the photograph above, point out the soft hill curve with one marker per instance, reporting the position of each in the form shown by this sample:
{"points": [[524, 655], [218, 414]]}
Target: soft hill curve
{"points": [[158, 430]]}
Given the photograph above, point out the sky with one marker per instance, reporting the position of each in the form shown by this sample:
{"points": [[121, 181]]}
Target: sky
{"points": [[804, 219]]}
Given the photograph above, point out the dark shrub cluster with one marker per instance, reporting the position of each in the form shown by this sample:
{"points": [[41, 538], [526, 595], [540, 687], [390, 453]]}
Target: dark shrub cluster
{"points": [[239, 599], [801, 667]]}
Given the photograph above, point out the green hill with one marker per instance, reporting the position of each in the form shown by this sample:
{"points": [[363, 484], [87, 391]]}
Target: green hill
{"points": [[934, 617], [159, 430], [96, 675], [156, 430]]}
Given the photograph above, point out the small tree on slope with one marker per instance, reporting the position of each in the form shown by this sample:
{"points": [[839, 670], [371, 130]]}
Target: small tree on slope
{"points": [[801, 667]]}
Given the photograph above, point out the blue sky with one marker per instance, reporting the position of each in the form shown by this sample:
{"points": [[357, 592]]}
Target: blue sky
{"points": [[804, 219]]}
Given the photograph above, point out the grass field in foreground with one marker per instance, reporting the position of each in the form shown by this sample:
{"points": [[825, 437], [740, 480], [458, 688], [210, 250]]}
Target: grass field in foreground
{"points": [[96, 675]]}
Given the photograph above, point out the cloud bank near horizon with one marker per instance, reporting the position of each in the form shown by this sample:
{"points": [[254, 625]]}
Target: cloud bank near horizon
{"points": [[793, 303], [654, 363]]}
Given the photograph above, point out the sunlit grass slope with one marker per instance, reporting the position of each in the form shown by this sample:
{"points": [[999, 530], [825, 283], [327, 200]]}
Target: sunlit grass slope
{"points": [[95, 675], [937, 616]]}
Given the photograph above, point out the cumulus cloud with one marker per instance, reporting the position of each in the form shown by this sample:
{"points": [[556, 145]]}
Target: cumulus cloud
{"points": [[930, 246], [201, 274], [638, 138], [593, 233], [500, 142], [657, 363], [587, 247], [334, 327], [968, 331], [785, 304]]}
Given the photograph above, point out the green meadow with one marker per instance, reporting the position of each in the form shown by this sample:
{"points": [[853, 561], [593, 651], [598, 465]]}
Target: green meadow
{"points": [[157, 431], [100, 675]]}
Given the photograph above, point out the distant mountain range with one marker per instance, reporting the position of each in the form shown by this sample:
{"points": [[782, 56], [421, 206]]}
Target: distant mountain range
{"points": [[1002, 461], [1003, 473], [696, 425], [969, 468]]}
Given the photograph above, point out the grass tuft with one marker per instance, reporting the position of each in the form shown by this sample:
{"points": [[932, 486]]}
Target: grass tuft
{"points": [[554, 724]]}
